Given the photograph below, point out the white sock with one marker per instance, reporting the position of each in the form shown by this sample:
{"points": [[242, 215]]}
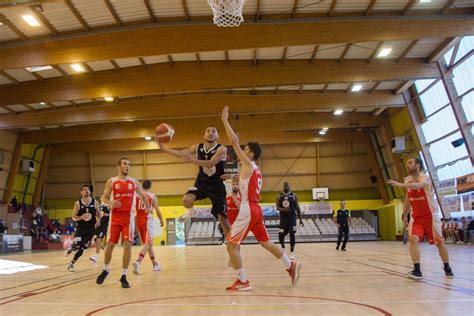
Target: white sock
{"points": [[286, 261], [124, 271], [107, 268], [241, 275]]}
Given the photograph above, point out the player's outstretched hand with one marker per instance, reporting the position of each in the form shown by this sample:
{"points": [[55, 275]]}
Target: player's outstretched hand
{"points": [[392, 183], [225, 113]]}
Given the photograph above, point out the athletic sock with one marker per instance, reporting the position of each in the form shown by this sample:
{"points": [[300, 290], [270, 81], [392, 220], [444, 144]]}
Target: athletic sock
{"points": [[241, 275], [107, 267], [446, 265], [124, 271], [417, 266], [286, 261], [152, 260], [140, 257]]}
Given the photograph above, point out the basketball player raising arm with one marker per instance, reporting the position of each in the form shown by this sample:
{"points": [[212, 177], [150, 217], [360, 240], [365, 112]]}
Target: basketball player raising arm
{"points": [[250, 216]]}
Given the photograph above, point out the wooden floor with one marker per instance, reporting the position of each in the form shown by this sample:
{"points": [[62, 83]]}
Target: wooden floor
{"points": [[369, 279]]}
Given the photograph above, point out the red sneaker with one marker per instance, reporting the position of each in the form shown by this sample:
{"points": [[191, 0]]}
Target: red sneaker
{"points": [[294, 272], [239, 286]]}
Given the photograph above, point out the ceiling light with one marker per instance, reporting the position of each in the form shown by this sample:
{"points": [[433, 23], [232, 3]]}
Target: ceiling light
{"points": [[1, 23], [356, 87], [425, 1], [43, 103], [77, 67], [31, 20], [323, 132], [148, 138], [338, 112], [109, 99], [325, 128], [384, 52], [38, 68]]}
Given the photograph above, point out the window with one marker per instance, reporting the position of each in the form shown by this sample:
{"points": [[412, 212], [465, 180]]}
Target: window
{"points": [[441, 127]]}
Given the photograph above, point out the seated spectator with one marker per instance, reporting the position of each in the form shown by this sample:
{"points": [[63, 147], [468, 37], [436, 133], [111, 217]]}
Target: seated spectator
{"points": [[44, 233], [454, 231], [444, 228], [70, 229], [34, 231], [469, 231]]}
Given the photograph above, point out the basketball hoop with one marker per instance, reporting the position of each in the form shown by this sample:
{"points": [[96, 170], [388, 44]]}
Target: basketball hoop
{"points": [[227, 13]]}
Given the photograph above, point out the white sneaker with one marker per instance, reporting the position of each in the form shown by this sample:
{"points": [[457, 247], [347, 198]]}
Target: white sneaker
{"points": [[187, 216], [136, 267], [292, 256], [70, 267], [156, 267], [94, 258]]}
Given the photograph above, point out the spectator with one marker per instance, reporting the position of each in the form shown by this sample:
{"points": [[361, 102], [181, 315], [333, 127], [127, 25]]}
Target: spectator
{"points": [[444, 228], [460, 233], [3, 228], [70, 229], [469, 231], [44, 233], [454, 231], [34, 230]]}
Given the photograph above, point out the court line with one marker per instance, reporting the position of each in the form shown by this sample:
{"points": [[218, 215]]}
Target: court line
{"points": [[455, 288], [382, 311]]}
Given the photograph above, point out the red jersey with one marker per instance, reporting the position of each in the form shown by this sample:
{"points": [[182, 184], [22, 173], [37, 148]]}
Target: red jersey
{"points": [[421, 200], [250, 188], [124, 191], [141, 208], [232, 208]]}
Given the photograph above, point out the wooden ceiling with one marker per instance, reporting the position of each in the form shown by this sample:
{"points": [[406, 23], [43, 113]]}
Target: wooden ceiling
{"points": [[166, 60]]}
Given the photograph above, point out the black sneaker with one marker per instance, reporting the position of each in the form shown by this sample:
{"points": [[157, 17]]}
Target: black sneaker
{"points": [[337, 247], [101, 277], [415, 275], [343, 249], [124, 282], [448, 272]]}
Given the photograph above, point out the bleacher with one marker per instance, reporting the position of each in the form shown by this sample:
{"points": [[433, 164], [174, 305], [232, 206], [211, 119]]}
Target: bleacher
{"points": [[204, 231]]}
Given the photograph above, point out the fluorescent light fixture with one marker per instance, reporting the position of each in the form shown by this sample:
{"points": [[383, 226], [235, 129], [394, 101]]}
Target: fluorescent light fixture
{"points": [[384, 52], [31, 20], [77, 68], [356, 87], [338, 112], [109, 99], [38, 68], [425, 1], [325, 128], [322, 132], [43, 103], [1, 23], [148, 138]]}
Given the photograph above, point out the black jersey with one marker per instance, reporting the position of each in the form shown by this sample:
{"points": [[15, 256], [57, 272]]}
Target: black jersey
{"points": [[287, 200], [209, 174], [83, 209], [342, 216]]}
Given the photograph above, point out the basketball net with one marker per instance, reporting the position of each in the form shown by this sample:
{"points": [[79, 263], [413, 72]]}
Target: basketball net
{"points": [[227, 13]]}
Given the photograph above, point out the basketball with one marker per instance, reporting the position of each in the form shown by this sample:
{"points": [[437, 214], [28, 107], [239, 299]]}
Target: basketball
{"points": [[164, 132], [87, 217]]}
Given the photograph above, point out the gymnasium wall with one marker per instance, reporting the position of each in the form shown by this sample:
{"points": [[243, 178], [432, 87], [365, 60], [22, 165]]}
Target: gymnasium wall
{"points": [[7, 148], [25, 185], [341, 166]]}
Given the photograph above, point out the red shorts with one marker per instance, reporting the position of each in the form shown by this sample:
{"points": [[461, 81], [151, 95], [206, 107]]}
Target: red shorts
{"points": [[145, 229], [232, 215], [249, 219], [426, 226], [120, 224]]}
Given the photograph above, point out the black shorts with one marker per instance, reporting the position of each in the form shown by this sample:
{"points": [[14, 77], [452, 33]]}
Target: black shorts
{"points": [[101, 231], [287, 223], [82, 238], [215, 191]]}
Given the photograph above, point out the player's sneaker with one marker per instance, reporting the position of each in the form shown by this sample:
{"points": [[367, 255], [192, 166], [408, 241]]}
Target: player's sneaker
{"points": [[292, 256], [156, 267], [70, 267], [101, 277], [239, 286], [94, 258], [136, 267], [187, 216], [449, 273], [415, 275], [123, 280], [294, 272], [343, 249]]}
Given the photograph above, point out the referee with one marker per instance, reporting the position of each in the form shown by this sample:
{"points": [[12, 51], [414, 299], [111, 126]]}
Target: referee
{"points": [[342, 218]]}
